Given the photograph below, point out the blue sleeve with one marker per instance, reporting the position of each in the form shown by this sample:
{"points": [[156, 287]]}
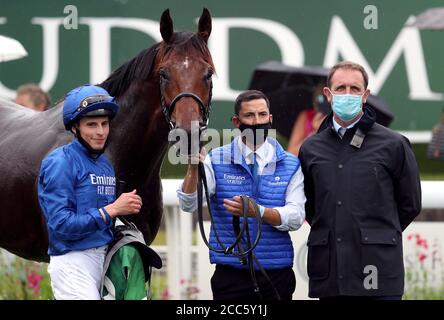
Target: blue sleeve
{"points": [[57, 200]]}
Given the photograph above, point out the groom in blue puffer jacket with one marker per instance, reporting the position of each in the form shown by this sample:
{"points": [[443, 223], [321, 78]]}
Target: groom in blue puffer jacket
{"points": [[257, 166]]}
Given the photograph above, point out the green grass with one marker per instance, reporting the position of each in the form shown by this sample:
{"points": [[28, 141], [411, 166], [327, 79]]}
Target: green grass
{"points": [[161, 240], [429, 169], [22, 279]]}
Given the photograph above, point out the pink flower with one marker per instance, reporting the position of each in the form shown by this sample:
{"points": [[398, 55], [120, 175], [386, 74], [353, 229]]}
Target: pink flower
{"points": [[422, 257], [34, 280], [165, 294], [422, 243]]}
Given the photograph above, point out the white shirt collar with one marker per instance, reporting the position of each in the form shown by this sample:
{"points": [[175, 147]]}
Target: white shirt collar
{"points": [[337, 126], [264, 153]]}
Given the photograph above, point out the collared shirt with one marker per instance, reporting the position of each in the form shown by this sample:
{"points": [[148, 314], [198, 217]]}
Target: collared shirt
{"points": [[292, 214], [337, 126], [264, 154]]}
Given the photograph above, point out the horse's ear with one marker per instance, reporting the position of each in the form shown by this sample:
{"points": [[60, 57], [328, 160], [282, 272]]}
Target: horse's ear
{"points": [[204, 30], [166, 26]]}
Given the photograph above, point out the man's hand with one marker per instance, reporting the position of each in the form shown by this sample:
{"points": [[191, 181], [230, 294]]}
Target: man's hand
{"points": [[235, 207], [128, 203], [194, 159], [190, 181]]}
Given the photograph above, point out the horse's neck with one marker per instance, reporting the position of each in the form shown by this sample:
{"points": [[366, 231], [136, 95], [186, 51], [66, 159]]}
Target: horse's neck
{"points": [[11, 112], [139, 136], [24, 124]]}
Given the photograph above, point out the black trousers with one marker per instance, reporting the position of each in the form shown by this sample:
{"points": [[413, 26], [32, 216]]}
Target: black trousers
{"points": [[229, 283]]}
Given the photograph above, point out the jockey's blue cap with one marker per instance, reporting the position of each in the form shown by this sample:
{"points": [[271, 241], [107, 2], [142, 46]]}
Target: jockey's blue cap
{"points": [[87, 101]]}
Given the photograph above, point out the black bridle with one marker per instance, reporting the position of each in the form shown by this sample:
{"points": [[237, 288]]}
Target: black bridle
{"points": [[168, 109]]}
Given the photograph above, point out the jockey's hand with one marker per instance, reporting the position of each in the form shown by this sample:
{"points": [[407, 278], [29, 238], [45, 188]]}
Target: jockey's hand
{"points": [[128, 203], [235, 207]]}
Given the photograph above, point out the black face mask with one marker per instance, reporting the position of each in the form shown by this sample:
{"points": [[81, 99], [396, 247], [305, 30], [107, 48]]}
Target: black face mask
{"points": [[255, 134]]}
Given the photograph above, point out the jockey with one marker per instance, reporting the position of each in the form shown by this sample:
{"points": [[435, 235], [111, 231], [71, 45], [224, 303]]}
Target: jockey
{"points": [[76, 190], [87, 101]]}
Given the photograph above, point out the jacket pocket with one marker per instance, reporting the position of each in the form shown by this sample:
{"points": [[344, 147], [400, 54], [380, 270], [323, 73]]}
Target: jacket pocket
{"points": [[382, 249], [318, 260]]}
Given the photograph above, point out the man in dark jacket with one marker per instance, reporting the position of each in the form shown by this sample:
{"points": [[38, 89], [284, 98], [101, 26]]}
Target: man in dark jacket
{"points": [[363, 189]]}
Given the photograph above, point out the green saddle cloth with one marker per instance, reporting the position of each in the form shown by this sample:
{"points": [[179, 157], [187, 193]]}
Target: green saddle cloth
{"points": [[125, 277]]}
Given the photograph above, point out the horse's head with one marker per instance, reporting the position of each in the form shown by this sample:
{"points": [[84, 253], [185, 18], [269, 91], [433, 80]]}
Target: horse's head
{"points": [[185, 68]]}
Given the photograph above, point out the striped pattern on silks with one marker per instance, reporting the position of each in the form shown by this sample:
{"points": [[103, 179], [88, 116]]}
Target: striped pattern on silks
{"points": [[233, 178]]}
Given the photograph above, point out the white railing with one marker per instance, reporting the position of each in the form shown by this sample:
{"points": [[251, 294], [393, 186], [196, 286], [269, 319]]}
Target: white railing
{"points": [[180, 265], [432, 194], [179, 232], [417, 136]]}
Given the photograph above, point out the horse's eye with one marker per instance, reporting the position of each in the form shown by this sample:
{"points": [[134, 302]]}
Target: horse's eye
{"points": [[209, 74], [163, 75]]}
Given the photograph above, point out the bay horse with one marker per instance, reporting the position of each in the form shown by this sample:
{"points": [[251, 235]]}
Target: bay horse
{"points": [[166, 86]]}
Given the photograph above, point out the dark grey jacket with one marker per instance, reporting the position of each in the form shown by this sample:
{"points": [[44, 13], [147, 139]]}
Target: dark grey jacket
{"points": [[359, 200]]}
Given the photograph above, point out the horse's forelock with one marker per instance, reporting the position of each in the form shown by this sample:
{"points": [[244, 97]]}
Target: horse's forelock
{"points": [[186, 42]]}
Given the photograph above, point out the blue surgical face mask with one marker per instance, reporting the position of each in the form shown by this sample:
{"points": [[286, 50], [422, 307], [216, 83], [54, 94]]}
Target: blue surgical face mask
{"points": [[346, 106]]}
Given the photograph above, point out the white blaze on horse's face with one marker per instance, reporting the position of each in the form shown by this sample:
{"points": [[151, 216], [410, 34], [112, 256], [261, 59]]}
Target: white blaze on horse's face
{"points": [[186, 62]]}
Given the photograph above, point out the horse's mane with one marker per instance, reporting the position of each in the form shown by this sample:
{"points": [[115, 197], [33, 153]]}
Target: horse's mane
{"points": [[141, 66], [138, 68]]}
